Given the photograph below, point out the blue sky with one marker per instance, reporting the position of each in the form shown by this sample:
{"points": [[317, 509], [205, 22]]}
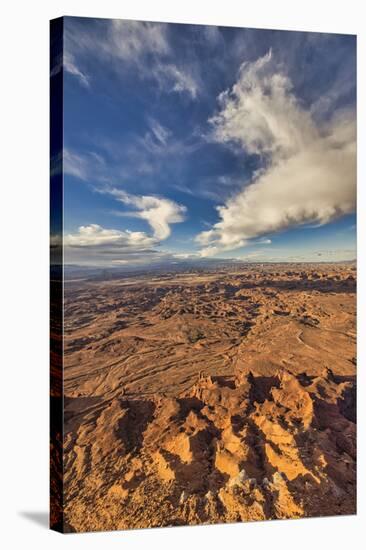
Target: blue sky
{"points": [[207, 142]]}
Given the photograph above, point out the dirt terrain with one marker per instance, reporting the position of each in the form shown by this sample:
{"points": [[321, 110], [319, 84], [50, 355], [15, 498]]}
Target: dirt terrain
{"points": [[205, 397]]}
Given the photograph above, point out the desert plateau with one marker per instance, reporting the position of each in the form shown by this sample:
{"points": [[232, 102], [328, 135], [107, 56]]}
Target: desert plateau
{"points": [[209, 395]]}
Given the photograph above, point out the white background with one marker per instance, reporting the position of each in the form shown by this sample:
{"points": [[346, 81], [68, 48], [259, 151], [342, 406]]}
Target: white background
{"points": [[24, 271]]}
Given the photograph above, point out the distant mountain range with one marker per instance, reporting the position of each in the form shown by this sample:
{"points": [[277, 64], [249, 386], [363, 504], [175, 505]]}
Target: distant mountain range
{"points": [[202, 264]]}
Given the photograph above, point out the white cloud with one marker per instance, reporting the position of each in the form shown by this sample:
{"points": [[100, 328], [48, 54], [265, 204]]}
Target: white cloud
{"points": [[309, 171], [130, 40], [173, 79], [261, 113], [134, 41], [161, 133], [85, 166], [96, 245], [158, 143], [75, 165], [70, 67], [144, 45], [159, 212], [96, 236]]}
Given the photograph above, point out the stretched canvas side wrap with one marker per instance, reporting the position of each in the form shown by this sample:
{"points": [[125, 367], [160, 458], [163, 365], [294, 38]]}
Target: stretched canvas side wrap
{"points": [[203, 274]]}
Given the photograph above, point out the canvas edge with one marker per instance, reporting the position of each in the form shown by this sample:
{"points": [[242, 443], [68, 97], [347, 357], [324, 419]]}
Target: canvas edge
{"points": [[56, 517]]}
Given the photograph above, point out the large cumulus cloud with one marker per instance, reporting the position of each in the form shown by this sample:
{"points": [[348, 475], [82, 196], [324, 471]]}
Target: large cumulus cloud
{"points": [[308, 172]]}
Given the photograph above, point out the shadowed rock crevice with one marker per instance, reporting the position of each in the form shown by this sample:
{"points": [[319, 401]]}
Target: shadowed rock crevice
{"points": [[236, 449]]}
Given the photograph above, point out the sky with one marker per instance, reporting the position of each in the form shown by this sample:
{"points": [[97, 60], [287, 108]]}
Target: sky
{"points": [[200, 142]]}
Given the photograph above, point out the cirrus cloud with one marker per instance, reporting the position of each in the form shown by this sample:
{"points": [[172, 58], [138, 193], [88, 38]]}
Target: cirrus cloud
{"points": [[71, 68], [125, 44]]}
